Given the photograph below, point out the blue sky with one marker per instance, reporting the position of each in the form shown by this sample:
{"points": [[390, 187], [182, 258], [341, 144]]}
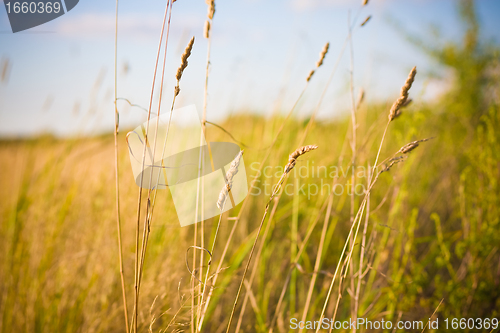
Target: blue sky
{"points": [[61, 73]]}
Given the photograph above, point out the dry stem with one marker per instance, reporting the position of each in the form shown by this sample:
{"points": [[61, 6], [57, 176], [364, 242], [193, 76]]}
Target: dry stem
{"points": [[117, 187]]}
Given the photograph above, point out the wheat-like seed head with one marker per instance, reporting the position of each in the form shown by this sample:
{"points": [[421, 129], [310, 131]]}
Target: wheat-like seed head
{"points": [[365, 2], [395, 109], [410, 146], [211, 8], [408, 102], [206, 29], [322, 55], [366, 20], [391, 162], [184, 59], [292, 159], [311, 73], [233, 170]]}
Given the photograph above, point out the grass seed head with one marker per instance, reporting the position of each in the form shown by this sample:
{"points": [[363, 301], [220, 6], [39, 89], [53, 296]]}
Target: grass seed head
{"points": [[322, 55], [391, 162], [410, 146], [366, 20], [365, 2], [184, 59], [206, 29], [408, 102], [311, 73], [292, 159], [403, 97], [233, 170], [211, 8]]}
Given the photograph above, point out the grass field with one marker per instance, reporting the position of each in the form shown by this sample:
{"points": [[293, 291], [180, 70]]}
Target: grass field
{"points": [[426, 239]]}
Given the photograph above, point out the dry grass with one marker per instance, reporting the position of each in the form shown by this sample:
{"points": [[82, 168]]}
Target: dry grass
{"points": [[392, 250]]}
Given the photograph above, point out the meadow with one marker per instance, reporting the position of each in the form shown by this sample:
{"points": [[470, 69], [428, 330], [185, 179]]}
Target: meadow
{"points": [[416, 237]]}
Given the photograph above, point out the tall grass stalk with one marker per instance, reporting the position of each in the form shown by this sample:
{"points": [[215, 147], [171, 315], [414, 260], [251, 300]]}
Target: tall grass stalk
{"points": [[208, 36], [255, 266], [153, 189], [302, 140], [318, 64], [117, 185], [293, 244], [353, 137], [245, 202], [362, 254], [183, 65], [294, 262], [323, 235], [348, 241], [136, 275], [317, 263], [291, 163], [392, 113], [223, 197]]}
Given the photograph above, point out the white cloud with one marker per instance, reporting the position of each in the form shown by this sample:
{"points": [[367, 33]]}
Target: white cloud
{"points": [[301, 5], [135, 26]]}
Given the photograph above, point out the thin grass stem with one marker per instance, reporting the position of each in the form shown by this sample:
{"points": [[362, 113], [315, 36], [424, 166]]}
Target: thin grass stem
{"points": [[117, 184]]}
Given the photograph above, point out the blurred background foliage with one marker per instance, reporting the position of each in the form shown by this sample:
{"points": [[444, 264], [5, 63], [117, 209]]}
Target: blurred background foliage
{"points": [[433, 228]]}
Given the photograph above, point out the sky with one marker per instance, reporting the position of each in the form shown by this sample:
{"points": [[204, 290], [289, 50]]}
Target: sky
{"points": [[60, 75]]}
